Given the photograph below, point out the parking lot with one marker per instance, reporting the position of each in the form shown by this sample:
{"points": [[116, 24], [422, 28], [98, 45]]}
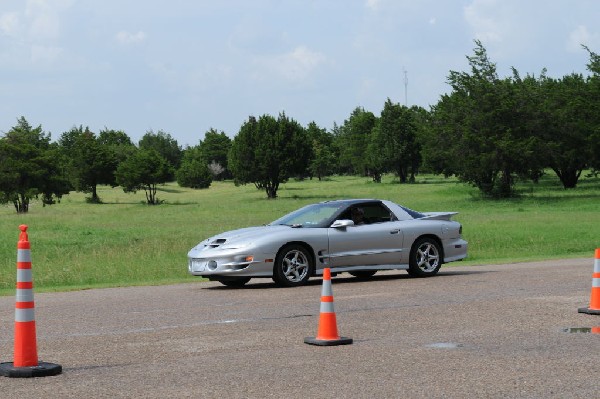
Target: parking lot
{"points": [[496, 331]]}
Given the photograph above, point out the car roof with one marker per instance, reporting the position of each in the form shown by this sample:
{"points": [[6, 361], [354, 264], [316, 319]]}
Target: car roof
{"points": [[351, 201], [401, 212]]}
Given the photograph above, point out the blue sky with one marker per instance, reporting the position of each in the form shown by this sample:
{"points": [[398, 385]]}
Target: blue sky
{"points": [[187, 66]]}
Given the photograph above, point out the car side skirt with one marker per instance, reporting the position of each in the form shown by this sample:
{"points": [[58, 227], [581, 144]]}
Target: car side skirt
{"points": [[319, 272]]}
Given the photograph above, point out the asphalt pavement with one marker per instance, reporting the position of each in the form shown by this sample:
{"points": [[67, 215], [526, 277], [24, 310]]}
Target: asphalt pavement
{"points": [[496, 331]]}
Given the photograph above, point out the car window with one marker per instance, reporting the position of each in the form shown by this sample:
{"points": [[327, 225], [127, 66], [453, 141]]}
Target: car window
{"points": [[374, 212], [414, 214], [316, 215], [377, 213]]}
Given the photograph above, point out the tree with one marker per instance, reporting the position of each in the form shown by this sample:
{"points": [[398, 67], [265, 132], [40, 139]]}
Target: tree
{"points": [[397, 139], [144, 170], [118, 143], [376, 163], [296, 141], [194, 171], [165, 145], [29, 167], [568, 122], [322, 165], [194, 174], [478, 132], [241, 157], [88, 161], [269, 151], [594, 97], [214, 149], [113, 137], [55, 183], [322, 159], [423, 120], [352, 140]]}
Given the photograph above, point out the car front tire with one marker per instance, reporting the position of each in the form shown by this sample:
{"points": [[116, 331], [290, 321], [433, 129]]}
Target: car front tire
{"points": [[293, 266], [425, 258]]}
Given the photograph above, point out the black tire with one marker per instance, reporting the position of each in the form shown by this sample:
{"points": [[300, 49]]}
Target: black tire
{"points": [[293, 266], [363, 274], [426, 258], [235, 282]]}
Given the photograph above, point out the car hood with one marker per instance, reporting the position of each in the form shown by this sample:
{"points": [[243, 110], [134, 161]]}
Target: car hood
{"points": [[241, 237]]}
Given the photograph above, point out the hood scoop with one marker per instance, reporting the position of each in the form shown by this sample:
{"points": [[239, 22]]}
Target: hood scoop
{"points": [[217, 243]]}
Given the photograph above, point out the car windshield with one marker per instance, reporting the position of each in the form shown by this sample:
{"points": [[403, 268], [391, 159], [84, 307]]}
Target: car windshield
{"points": [[316, 215]]}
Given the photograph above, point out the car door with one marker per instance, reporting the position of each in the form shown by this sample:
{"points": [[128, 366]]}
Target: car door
{"points": [[376, 242]]}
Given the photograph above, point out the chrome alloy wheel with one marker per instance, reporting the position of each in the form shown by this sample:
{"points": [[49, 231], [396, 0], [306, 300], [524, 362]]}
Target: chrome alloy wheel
{"points": [[427, 257], [295, 266]]}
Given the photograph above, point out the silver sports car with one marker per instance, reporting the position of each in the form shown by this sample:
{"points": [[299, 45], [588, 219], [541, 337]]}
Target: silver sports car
{"points": [[358, 236]]}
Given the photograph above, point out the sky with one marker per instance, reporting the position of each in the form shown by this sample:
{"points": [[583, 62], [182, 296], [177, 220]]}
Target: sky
{"points": [[184, 66]]}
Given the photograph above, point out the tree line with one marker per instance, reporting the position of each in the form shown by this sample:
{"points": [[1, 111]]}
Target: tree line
{"points": [[488, 131]]}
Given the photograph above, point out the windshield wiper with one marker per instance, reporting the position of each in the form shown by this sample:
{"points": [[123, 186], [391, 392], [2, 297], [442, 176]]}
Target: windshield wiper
{"points": [[294, 226]]}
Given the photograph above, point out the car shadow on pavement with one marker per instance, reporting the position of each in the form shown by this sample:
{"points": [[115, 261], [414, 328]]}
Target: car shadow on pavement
{"points": [[345, 278]]}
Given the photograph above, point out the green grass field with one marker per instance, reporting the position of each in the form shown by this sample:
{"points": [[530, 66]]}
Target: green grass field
{"points": [[76, 245]]}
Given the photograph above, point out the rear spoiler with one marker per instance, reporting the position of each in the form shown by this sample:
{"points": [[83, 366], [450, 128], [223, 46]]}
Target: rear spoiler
{"points": [[438, 215]]}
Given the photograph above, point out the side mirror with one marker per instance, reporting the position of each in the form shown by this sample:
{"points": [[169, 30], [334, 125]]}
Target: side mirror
{"points": [[341, 224]]}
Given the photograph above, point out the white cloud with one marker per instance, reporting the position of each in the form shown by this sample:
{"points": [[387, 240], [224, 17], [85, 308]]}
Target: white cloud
{"points": [[45, 54], [125, 38], [373, 4], [35, 6], [9, 23], [209, 77], [366, 88], [581, 35], [45, 18], [296, 65], [45, 27], [480, 16], [34, 32]]}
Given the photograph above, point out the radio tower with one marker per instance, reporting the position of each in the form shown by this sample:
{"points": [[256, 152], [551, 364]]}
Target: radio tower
{"points": [[405, 86]]}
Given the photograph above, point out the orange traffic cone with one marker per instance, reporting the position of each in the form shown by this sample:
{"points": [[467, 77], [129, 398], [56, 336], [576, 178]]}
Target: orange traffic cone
{"points": [[25, 362], [595, 296], [327, 334]]}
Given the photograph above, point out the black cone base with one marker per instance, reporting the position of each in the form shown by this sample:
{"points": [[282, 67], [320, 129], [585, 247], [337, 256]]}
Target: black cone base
{"points": [[41, 370], [328, 342], [589, 311]]}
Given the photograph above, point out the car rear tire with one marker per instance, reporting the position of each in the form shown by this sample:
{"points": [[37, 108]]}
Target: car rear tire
{"points": [[425, 258], [293, 266], [363, 274], [235, 282]]}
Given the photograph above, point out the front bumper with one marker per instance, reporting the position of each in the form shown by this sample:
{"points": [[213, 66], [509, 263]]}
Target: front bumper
{"points": [[234, 264]]}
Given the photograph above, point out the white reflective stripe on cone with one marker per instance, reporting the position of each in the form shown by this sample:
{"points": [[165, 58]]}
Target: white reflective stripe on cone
{"points": [[327, 307], [24, 276], [24, 255], [24, 315], [326, 291], [596, 282], [24, 295]]}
